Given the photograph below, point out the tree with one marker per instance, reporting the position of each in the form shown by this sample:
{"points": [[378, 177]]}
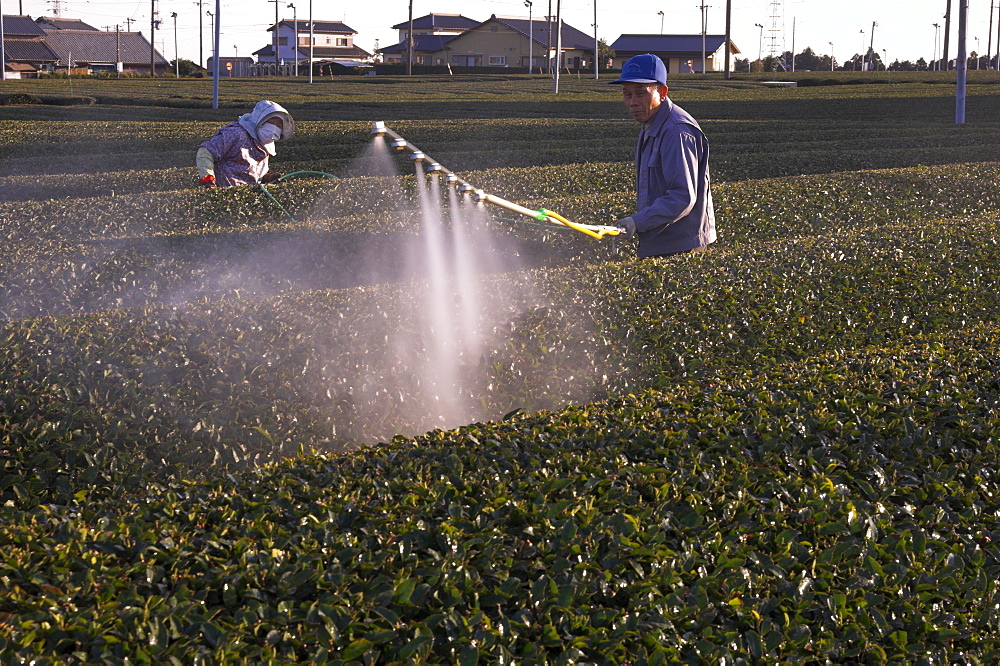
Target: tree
{"points": [[605, 53], [873, 61], [809, 60], [186, 67], [853, 63]]}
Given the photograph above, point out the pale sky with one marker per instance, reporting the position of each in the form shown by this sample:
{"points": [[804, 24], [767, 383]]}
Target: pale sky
{"points": [[905, 28]]}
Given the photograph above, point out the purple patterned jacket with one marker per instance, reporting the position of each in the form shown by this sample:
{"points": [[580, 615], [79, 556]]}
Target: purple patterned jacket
{"points": [[239, 158]]}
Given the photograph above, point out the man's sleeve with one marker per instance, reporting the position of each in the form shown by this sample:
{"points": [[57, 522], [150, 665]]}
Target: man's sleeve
{"points": [[205, 162]]}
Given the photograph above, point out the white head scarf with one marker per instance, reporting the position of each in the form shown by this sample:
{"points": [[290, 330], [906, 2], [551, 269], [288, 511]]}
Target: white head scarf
{"points": [[262, 112]]}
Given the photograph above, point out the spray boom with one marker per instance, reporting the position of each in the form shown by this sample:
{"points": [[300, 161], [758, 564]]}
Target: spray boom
{"points": [[541, 215]]}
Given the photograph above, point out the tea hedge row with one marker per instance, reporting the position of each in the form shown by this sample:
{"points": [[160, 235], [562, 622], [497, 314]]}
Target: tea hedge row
{"points": [[841, 508], [84, 255], [130, 157], [340, 93], [223, 383]]}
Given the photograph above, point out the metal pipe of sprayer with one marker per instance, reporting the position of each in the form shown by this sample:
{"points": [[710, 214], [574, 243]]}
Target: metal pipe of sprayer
{"points": [[399, 143], [379, 129]]}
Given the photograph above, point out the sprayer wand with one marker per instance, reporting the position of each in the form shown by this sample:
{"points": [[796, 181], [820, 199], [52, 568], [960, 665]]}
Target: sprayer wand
{"points": [[540, 215]]}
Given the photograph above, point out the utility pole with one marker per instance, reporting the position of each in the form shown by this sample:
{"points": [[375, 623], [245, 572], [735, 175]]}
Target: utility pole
{"points": [[215, 64], [729, 22], [596, 50], [177, 60], [962, 63], [558, 43], [118, 50], [548, 44], [947, 31], [862, 50], [295, 23], [201, 34], [871, 46], [531, 36], [934, 59], [152, 38], [409, 44], [989, 38], [3, 51], [275, 38], [311, 40], [128, 24], [704, 29], [794, 18], [217, 32]]}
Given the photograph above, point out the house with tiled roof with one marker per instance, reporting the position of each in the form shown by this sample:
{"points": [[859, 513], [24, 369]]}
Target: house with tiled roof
{"points": [[25, 50], [680, 53], [332, 41], [503, 41], [97, 51], [431, 34]]}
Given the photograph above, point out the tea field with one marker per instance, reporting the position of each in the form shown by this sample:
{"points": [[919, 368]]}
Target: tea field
{"points": [[784, 450]]}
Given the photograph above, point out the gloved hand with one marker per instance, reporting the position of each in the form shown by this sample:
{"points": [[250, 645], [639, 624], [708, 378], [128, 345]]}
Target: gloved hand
{"points": [[628, 225], [270, 177], [208, 181]]}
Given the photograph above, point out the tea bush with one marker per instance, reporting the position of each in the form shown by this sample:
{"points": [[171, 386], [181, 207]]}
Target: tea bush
{"points": [[782, 450]]}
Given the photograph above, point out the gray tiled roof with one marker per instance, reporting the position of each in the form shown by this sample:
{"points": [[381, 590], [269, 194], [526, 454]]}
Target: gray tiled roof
{"points": [[101, 47], [319, 26], [571, 37], [54, 23], [668, 44], [31, 50], [440, 21], [20, 25], [422, 43]]}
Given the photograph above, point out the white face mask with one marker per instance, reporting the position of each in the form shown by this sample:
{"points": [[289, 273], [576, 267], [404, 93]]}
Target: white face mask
{"points": [[268, 133]]}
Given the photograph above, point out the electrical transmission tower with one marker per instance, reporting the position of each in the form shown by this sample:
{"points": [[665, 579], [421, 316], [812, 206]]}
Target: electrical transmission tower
{"points": [[57, 7], [776, 31]]}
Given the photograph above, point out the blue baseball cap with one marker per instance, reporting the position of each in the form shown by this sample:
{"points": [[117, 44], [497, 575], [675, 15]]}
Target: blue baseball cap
{"points": [[645, 68]]}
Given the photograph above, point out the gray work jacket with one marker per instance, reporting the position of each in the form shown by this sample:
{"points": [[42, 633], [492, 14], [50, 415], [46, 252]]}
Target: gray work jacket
{"points": [[674, 197]]}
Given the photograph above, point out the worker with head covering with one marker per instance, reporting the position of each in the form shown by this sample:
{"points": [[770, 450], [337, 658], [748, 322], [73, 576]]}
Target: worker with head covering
{"points": [[238, 154]]}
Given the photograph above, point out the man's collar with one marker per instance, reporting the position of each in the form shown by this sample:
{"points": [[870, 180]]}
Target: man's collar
{"points": [[653, 125]]}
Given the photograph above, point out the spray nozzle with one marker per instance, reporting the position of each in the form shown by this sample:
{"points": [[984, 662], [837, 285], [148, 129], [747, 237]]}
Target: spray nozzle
{"points": [[378, 128], [434, 167], [399, 144], [418, 156]]}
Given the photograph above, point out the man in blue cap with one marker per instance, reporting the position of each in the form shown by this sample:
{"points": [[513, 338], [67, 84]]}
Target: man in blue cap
{"points": [[674, 212]]}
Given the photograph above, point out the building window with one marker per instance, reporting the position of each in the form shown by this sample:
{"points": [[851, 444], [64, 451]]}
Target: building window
{"points": [[282, 41], [342, 41], [500, 61], [329, 40], [303, 41]]}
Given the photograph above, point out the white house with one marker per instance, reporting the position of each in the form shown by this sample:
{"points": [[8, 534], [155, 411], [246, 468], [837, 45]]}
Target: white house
{"points": [[331, 41]]}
